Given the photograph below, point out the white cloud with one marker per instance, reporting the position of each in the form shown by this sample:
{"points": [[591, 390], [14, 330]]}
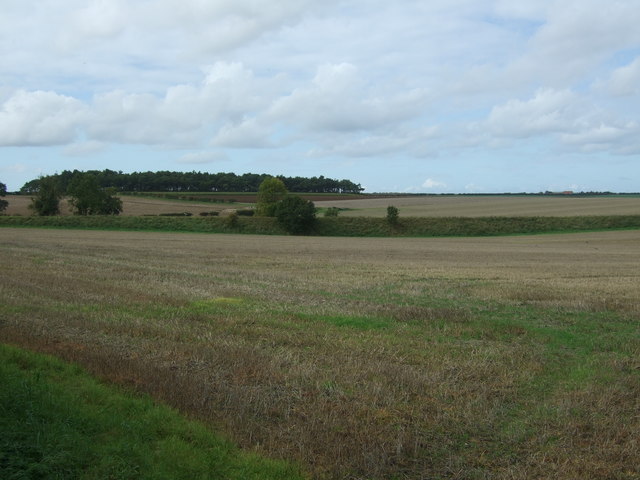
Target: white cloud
{"points": [[549, 111], [82, 149], [197, 158], [431, 184], [625, 81], [39, 118]]}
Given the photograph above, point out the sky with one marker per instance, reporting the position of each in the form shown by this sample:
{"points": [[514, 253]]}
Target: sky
{"points": [[455, 96]]}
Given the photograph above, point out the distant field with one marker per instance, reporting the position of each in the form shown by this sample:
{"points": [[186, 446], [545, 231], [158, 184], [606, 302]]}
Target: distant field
{"points": [[485, 358], [412, 206], [483, 206], [134, 206]]}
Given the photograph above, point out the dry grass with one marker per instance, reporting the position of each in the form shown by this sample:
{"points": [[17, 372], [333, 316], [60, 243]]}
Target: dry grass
{"points": [[411, 206], [133, 206], [483, 206], [501, 358]]}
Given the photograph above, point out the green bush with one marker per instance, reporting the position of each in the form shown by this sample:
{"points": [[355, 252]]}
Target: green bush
{"points": [[296, 215], [392, 215], [331, 212], [246, 213]]}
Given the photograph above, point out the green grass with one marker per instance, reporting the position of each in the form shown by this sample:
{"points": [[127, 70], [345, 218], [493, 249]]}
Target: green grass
{"points": [[59, 423], [342, 226]]}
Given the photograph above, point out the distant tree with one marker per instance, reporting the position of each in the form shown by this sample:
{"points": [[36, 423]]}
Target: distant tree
{"points": [[88, 198], [48, 195], [271, 191], [295, 214], [3, 193], [392, 215]]}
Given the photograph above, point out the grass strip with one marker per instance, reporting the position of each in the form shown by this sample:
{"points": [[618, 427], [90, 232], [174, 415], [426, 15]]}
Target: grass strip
{"points": [[341, 227], [58, 422]]}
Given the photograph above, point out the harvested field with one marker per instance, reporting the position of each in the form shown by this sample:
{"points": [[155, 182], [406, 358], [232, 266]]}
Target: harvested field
{"points": [[501, 358], [132, 206], [410, 206], [489, 206]]}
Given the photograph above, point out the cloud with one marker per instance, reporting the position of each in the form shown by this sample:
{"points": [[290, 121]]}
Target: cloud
{"points": [[431, 184], [197, 158], [549, 111], [339, 100], [39, 118], [625, 81], [82, 149]]}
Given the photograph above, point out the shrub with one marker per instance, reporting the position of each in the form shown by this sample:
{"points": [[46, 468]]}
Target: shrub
{"points": [[331, 212], [231, 220], [3, 192], [296, 215], [392, 215]]}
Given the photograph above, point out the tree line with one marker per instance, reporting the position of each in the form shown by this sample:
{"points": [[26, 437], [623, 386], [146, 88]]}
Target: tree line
{"points": [[166, 181]]}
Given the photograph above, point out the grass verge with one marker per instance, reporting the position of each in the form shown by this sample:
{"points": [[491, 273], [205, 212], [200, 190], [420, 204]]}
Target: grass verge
{"points": [[342, 227], [58, 422]]}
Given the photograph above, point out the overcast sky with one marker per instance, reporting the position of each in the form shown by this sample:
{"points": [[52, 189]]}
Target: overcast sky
{"points": [[417, 96]]}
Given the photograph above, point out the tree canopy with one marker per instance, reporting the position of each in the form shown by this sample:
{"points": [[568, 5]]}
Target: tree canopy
{"points": [[47, 197], [270, 192], [295, 214], [88, 198], [166, 181], [3, 192]]}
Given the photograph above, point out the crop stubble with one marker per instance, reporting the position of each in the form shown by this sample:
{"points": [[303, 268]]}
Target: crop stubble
{"points": [[511, 357]]}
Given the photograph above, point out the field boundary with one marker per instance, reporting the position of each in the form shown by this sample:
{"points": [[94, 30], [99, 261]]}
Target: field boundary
{"points": [[341, 226]]}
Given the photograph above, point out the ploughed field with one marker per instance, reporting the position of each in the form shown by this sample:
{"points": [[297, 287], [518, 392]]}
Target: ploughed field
{"points": [[501, 358]]}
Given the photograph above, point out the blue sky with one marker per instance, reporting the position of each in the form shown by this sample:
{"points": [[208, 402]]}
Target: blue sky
{"points": [[409, 96]]}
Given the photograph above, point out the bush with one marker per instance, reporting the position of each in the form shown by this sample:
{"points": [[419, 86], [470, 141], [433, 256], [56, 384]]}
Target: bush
{"points": [[246, 213], [392, 215], [3, 192], [231, 220], [331, 212], [296, 215]]}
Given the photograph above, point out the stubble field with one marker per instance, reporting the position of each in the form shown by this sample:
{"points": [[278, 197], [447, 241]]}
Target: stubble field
{"points": [[409, 206], [476, 358]]}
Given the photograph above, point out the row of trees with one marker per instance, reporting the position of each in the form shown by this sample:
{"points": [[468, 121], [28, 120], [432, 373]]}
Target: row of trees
{"points": [[86, 196], [165, 181]]}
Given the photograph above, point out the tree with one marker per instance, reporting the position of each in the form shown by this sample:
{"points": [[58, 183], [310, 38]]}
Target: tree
{"points": [[295, 214], [87, 198], [48, 195], [3, 192], [270, 192], [392, 215]]}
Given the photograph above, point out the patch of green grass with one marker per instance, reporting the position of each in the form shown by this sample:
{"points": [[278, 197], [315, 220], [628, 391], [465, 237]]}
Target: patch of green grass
{"points": [[58, 423], [342, 226], [350, 321]]}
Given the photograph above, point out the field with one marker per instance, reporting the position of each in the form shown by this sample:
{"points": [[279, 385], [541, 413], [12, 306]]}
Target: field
{"points": [[489, 205], [469, 358], [409, 206]]}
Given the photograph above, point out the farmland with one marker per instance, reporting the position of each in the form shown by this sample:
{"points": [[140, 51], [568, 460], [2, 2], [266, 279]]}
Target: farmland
{"points": [[375, 206], [509, 357]]}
